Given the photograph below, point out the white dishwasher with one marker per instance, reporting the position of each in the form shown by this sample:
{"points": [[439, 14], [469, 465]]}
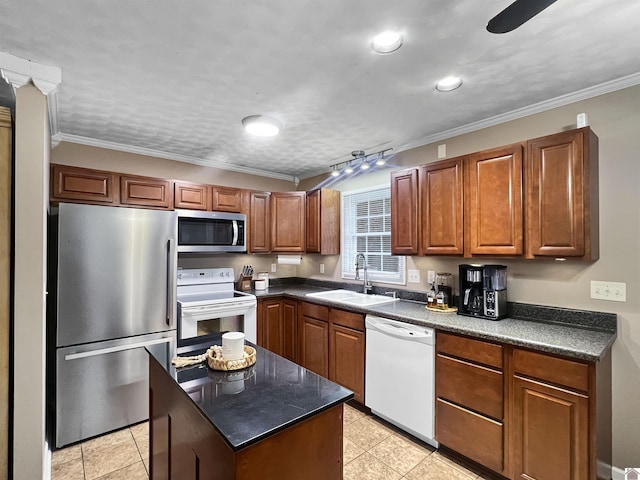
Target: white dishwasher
{"points": [[399, 378]]}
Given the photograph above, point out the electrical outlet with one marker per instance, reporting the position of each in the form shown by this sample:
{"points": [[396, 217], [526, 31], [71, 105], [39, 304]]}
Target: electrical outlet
{"points": [[442, 150], [414, 276], [273, 268], [431, 276], [322, 268], [614, 291]]}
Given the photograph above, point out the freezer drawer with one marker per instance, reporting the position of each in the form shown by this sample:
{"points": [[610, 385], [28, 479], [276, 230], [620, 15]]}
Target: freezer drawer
{"points": [[104, 386]]}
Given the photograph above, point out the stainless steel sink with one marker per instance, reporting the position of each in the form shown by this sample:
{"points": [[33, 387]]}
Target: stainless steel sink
{"points": [[352, 298]]}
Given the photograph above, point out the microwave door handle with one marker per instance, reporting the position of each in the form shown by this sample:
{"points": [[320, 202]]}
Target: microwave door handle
{"points": [[235, 232], [172, 279]]}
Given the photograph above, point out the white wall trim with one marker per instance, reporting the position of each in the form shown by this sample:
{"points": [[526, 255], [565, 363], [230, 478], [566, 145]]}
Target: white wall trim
{"points": [[19, 71], [561, 101], [94, 142]]}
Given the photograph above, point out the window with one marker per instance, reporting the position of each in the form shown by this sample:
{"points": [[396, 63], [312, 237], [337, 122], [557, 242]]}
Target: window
{"points": [[366, 228]]}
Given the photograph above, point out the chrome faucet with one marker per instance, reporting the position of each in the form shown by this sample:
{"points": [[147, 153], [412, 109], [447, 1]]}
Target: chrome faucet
{"points": [[366, 285]]}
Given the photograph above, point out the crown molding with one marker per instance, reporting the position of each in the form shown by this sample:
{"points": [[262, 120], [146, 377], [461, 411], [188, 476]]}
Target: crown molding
{"points": [[20, 71], [584, 94], [94, 142]]}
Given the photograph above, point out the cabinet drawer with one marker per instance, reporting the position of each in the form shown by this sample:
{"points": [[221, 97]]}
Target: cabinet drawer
{"points": [[348, 319], [556, 370], [470, 349], [315, 311], [472, 435], [477, 388]]}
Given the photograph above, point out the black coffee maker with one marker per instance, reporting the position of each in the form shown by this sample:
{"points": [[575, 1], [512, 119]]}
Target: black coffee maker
{"points": [[483, 291]]}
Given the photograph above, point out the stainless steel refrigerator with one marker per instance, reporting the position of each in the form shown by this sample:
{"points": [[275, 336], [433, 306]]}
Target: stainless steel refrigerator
{"points": [[112, 287]]}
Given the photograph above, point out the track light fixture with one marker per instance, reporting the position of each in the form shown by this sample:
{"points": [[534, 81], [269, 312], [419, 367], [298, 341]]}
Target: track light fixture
{"points": [[360, 161]]}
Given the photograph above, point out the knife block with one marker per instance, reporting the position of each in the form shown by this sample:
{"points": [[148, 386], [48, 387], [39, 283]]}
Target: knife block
{"points": [[244, 283]]}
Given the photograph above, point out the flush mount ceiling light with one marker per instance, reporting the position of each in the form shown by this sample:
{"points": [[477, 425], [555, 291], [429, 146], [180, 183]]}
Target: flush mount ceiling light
{"points": [[448, 83], [261, 125], [386, 42]]}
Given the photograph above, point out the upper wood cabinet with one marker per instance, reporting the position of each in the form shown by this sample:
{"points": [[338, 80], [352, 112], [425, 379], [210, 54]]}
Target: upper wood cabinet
{"points": [[288, 221], [441, 206], [226, 199], [493, 202], [84, 185], [562, 195], [404, 212], [323, 222], [192, 196], [259, 233], [146, 192]]}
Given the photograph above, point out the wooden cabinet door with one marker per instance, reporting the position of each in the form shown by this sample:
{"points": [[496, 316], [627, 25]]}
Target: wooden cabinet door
{"points": [[404, 212], [314, 345], [272, 331], [226, 199], [441, 204], [146, 192], [192, 196], [323, 222], [551, 432], [290, 330], [493, 202], [287, 221], [83, 185], [259, 222], [347, 359], [562, 194]]}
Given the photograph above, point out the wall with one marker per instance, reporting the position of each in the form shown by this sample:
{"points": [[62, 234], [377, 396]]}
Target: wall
{"points": [[115, 161], [615, 118], [30, 454]]}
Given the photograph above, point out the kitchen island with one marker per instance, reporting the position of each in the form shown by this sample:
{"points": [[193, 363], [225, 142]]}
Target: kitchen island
{"points": [[273, 420]]}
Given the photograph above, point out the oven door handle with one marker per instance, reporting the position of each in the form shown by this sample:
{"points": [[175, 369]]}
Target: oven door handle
{"points": [[215, 312]]}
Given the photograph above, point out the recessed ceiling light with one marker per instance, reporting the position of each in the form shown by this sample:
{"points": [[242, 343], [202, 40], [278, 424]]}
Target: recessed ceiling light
{"points": [[261, 125], [386, 42], [448, 83]]}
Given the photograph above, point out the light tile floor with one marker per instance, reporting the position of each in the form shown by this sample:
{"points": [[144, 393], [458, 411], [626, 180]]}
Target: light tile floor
{"points": [[373, 450]]}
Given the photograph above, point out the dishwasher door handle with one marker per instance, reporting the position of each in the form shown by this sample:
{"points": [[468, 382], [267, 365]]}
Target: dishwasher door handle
{"points": [[400, 332]]}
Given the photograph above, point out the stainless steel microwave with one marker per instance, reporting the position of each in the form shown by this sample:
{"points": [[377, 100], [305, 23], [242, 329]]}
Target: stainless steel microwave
{"points": [[211, 232]]}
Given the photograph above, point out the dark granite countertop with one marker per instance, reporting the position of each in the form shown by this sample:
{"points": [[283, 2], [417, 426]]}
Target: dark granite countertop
{"points": [[248, 405], [574, 333]]}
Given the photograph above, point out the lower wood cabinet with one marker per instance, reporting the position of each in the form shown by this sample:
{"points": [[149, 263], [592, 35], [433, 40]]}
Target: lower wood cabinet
{"points": [[347, 351], [314, 338], [524, 414], [278, 327]]}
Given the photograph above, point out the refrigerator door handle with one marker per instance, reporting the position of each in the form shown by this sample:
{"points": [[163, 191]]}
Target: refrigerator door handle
{"points": [[120, 348], [172, 279]]}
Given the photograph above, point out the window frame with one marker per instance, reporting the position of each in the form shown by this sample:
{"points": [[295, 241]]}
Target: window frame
{"points": [[348, 264]]}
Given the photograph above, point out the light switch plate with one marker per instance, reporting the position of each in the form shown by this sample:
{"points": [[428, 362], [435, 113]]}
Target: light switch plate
{"points": [[414, 276], [273, 268], [322, 268], [442, 150], [614, 291], [431, 277]]}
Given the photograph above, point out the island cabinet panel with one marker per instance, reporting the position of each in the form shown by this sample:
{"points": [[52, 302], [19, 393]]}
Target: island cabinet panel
{"points": [[84, 185], [404, 212], [259, 233], [323, 222], [347, 351], [493, 202], [192, 196], [288, 221], [441, 205], [562, 195], [313, 335], [226, 199], [146, 192]]}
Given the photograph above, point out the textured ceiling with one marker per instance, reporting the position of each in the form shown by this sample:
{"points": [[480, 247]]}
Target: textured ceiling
{"points": [[178, 76]]}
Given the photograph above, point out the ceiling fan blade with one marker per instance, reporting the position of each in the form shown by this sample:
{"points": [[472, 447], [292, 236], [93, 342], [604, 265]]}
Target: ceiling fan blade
{"points": [[516, 14]]}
